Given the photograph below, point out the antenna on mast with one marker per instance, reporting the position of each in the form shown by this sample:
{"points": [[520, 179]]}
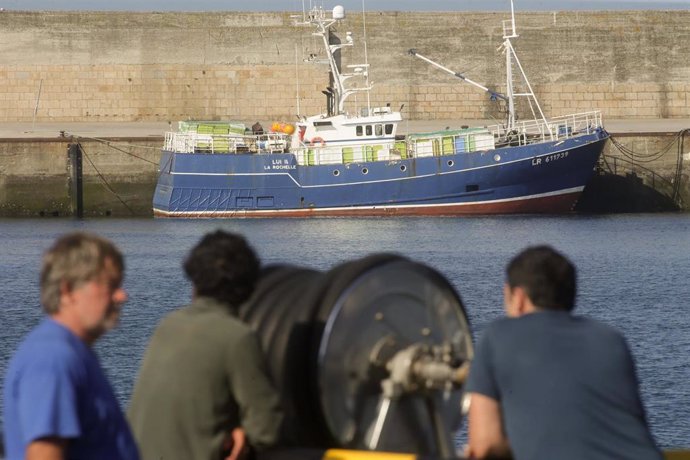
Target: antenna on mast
{"points": [[299, 115], [339, 91], [512, 16]]}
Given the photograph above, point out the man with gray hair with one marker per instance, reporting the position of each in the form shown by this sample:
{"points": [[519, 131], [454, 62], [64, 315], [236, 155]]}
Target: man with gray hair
{"points": [[58, 402]]}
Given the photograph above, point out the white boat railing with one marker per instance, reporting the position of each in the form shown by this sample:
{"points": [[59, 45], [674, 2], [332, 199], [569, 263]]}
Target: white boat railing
{"points": [[192, 142], [323, 154], [436, 144], [563, 127]]}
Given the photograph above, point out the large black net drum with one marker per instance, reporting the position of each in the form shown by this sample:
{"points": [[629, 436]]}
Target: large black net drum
{"points": [[369, 355]]}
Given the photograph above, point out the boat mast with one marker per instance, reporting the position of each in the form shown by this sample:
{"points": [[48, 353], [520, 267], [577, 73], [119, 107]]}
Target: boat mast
{"points": [[366, 56], [323, 23], [509, 32], [509, 69]]}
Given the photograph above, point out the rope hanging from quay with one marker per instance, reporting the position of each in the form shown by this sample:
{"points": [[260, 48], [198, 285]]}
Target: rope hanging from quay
{"points": [[103, 179], [638, 158], [653, 156], [112, 145]]}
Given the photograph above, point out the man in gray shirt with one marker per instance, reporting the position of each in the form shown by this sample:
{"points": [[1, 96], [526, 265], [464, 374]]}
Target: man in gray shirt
{"points": [[545, 384], [203, 383]]}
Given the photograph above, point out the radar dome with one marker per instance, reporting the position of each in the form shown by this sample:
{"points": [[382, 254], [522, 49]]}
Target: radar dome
{"points": [[338, 12]]}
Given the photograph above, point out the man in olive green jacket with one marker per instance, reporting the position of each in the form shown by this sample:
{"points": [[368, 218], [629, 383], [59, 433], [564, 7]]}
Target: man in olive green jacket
{"points": [[203, 383]]}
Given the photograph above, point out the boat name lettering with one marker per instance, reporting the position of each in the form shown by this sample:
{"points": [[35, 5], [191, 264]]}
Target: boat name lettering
{"points": [[280, 164]]}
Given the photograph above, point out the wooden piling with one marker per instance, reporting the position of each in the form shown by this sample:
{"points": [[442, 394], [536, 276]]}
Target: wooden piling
{"points": [[76, 183]]}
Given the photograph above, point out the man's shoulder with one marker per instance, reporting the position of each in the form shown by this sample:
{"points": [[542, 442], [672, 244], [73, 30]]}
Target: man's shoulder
{"points": [[501, 326], [46, 356], [549, 320], [543, 327], [604, 335], [597, 325], [217, 318], [49, 343]]}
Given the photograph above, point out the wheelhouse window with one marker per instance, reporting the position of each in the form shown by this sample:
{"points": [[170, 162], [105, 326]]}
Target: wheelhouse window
{"points": [[359, 130], [379, 130], [389, 128], [368, 130]]}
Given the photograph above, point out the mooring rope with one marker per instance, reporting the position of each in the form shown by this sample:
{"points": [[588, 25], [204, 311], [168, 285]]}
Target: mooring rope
{"points": [[636, 157], [112, 145], [679, 168], [107, 185], [646, 157]]}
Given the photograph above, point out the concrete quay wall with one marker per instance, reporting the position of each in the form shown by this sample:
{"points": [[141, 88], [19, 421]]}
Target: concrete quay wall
{"points": [[659, 160], [119, 176], [92, 66]]}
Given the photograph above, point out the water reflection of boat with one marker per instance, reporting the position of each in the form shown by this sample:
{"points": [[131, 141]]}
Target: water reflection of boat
{"points": [[340, 163]]}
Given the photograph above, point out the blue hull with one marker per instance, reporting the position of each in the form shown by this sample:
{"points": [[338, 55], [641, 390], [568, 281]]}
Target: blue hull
{"points": [[546, 177]]}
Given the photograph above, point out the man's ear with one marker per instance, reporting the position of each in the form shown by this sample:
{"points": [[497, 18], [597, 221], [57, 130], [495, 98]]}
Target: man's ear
{"points": [[66, 288], [513, 297], [521, 300]]}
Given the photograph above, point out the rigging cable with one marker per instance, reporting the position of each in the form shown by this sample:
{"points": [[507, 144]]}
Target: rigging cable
{"points": [[645, 157], [112, 144], [679, 168], [634, 157], [107, 185]]}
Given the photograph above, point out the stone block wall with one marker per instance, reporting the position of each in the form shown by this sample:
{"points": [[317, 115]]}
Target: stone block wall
{"points": [[119, 177], [90, 66], [128, 92]]}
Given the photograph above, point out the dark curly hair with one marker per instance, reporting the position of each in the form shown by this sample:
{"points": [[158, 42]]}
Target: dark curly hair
{"points": [[549, 279], [224, 267]]}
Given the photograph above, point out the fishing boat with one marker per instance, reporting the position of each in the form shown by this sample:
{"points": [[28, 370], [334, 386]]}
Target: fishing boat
{"points": [[357, 164]]}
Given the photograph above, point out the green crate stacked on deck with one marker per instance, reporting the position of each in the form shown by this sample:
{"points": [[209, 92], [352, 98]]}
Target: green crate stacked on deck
{"points": [[368, 153], [348, 155], [449, 141], [227, 127], [218, 130], [205, 130], [372, 152], [221, 144], [447, 145], [401, 147]]}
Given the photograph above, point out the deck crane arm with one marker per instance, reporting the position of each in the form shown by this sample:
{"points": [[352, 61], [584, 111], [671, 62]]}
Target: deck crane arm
{"points": [[494, 95]]}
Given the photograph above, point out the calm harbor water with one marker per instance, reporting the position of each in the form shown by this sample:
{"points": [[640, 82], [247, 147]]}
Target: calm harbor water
{"points": [[633, 274]]}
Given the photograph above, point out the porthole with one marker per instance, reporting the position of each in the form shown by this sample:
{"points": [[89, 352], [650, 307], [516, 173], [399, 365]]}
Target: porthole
{"points": [[403, 168], [336, 172], [365, 171], [451, 163], [497, 157]]}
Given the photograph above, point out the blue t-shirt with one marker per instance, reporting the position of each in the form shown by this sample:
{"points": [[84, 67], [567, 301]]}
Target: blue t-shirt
{"points": [[567, 388], [55, 387]]}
